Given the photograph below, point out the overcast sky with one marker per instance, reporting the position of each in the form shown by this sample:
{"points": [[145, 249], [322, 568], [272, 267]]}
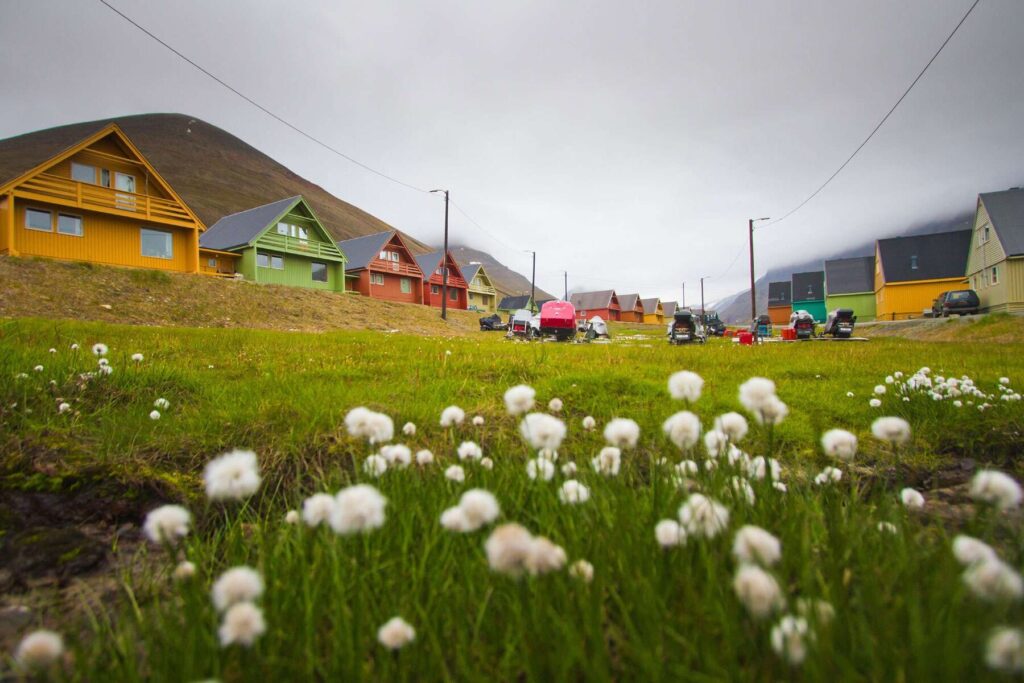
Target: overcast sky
{"points": [[627, 143]]}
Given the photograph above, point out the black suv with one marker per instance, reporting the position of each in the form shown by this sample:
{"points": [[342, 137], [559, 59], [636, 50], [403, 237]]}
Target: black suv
{"points": [[959, 301]]}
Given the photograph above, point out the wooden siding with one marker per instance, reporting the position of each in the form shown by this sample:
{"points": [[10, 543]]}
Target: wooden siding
{"points": [[107, 239], [482, 300], [654, 318], [904, 300], [779, 315], [816, 307], [297, 271], [1007, 293], [217, 263], [863, 304], [391, 290], [430, 298]]}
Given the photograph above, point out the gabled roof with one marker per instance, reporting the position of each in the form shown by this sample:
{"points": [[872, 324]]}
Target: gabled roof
{"points": [[469, 271], [242, 228], [850, 275], [809, 286], [361, 250], [628, 302], [514, 303], [925, 257], [1006, 211], [669, 307], [588, 301], [651, 305], [431, 262], [780, 293]]}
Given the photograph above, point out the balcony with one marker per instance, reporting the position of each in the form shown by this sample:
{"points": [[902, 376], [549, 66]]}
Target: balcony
{"points": [[399, 268], [294, 245], [57, 190]]}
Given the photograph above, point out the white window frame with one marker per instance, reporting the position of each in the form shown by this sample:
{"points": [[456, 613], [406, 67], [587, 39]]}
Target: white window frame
{"points": [[32, 227], [984, 234], [376, 278], [81, 165], [81, 224], [142, 243]]}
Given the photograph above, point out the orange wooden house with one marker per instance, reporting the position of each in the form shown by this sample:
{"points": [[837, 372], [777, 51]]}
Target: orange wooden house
{"points": [[381, 266], [631, 308], [94, 198]]}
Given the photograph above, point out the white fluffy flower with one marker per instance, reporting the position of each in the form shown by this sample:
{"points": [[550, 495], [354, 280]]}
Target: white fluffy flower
{"points": [[622, 433], [455, 473], [687, 468], [103, 369], [409, 429], [828, 476], [519, 399], [508, 549], [555, 405], [542, 431], [74, 347], [996, 488], [480, 507], [65, 407], [682, 429], [589, 423], [821, 612], [358, 508], [375, 465], [154, 415], [39, 650], [184, 570], [757, 590], [780, 486], [454, 519], [469, 450], [317, 509], [875, 403], [669, 534], [137, 357], [839, 444], [242, 625], [733, 425], [161, 404], [994, 580], [756, 392], [685, 386], [772, 412], [790, 638], [741, 488], [366, 424], [452, 416], [487, 463], [238, 584], [478, 421], [573, 492], [424, 457], [398, 454], [232, 476], [582, 570], [969, 550], [607, 461], [879, 389], [396, 634], [1004, 380], [703, 516], [167, 524], [1004, 650], [569, 469], [292, 517], [755, 545], [893, 430], [716, 442], [540, 468], [911, 499], [887, 528], [544, 556], [99, 349]]}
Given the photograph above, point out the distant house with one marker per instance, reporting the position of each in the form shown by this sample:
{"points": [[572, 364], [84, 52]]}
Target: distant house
{"points": [[669, 307], [630, 308], [995, 264], [809, 293], [381, 266], [850, 283], [511, 304], [911, 271], [279, 243], [780, 301], [482, 295], [88, 194], [433, 280], [653, 311], [603, 303]]}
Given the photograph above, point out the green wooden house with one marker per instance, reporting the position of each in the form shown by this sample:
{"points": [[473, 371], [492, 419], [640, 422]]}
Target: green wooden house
{"points": [[809, 293], [850, 283], [281, 243]]}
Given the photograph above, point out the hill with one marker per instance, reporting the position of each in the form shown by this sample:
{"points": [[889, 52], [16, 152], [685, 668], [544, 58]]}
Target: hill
{"points": [[506, 281]]}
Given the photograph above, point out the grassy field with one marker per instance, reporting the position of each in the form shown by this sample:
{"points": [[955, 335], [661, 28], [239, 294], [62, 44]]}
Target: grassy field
{"points": [[901, 609]]}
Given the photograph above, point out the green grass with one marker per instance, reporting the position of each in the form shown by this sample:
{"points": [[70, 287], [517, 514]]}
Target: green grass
{"points": [[902, 612]]}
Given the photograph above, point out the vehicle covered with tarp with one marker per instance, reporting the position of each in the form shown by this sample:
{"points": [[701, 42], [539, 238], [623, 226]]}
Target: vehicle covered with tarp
{"points": [[597, 327], [713, 324], [802, 323], [840, 323], [520, 324], [558, 320], [685, 328], [493, 323]]}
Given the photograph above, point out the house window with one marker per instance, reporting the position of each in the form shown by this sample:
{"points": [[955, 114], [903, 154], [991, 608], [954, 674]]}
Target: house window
{"points": [[984, 234], [270, 261], [389, 256], [83, 173], [104, 177], [211, 263], [157, 243], [406, 284], [995, 275], [913, 262], [376, 278], [69, 225], [435, 289], [289, 230], [277, 262], [453, 294], [263, 260], [37, 219], [319, 271]]}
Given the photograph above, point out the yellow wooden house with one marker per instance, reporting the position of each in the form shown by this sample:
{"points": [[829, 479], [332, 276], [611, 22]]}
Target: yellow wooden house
{"points": [[483, 297], [96, 198], [911, 271], [653, 311]]}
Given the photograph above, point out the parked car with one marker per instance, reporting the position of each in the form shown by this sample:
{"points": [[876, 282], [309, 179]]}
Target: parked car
{"points": [[958, 301], [493, 323], [713, 324]]}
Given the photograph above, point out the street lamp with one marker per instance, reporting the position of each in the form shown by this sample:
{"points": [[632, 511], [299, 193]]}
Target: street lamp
{"points": [[444, 260], [753, 293]]}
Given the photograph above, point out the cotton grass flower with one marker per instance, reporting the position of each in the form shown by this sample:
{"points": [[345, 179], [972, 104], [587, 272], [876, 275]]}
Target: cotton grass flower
{"points": [[154, 415], [469, 450], [555, 405], [685, 386], [892, 430], [755, 392], [358, 508], [622, 433], [716, 442], [138, 357], [455, 473], [757, 591], [544, 556], [396, 634], [243, 624], [875, 403], [682, 429], [969, 550], [607, 461], [829, 475], [911, 499], [236, 585], [542, 431], [317, 509], [569, 469], [887, 528], [292, 517], [519, 399], [424, 457], [480, 508], [397, 455], [1004, 650], [487, 463], [996, 488], [772, 412], [39, 650], [184, 571], [363, 423], [669, 534], [167, 524], [820, 612], [454, 519], [409, 429], [704, 517], [573, 492], [540, 468], [994, 581], [74, 347], [375, 465], [582, 570], [754, 545], [789, 639], [508, 549], [103, 370], [161, 404], [478, 421], [589, 423], [38, 368], [733, 425], [452, 416], [99, 349], [64, 407], [839, 444], [879, 390]]}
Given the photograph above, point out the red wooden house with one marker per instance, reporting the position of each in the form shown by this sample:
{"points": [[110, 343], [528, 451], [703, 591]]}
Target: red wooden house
{"points": [[604, 303], [382, 267], [433, 281], [631, 308]]}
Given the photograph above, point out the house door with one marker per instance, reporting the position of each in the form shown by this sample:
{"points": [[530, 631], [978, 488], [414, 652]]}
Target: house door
{"points": [[125, 182]]}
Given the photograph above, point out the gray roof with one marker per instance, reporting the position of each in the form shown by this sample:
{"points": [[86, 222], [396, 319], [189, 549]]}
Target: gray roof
{"points": [[627, 302], [588, 301], [240, 229], [361, 250], [809, 286], [650, 305], [780, 293], [850, 275], [1006, 211], [669, 307], [514, 303], [925, 257], [470, 270], [428, 263]]}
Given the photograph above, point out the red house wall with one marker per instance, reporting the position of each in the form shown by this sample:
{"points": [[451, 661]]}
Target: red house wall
{"points": [[431, 299], [391, 290], [605, 313]]}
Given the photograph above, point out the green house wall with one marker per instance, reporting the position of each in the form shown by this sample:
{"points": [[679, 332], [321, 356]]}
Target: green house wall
{"points": [[863, 304], [298, 271], [815, 307]]}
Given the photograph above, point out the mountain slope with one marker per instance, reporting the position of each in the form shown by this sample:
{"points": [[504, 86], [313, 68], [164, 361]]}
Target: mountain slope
{"points": [[506, 281]]}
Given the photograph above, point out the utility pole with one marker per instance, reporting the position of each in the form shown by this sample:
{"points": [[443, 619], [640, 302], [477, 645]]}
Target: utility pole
{"points": [[753, 292], [533, 282], [566, 273], [444, 261], [684, 296], [702, 298]]}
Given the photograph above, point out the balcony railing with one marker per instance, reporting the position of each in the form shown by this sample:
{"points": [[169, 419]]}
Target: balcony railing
{"points": [[294, 245], [52, 188], [395, 267]]}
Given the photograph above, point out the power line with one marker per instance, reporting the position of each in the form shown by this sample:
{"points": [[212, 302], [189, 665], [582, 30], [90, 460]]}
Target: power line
{"points": [[884, 118], [260, 106]]}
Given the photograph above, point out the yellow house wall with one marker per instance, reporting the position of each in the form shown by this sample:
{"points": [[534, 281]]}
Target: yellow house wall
{"points": [[654, 318], [903, 300], [143, 183]]}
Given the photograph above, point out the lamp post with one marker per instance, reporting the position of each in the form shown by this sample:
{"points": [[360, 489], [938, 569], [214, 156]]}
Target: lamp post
{"points": [[753, 292], [533, 281], [702, 299], [444, 261]]}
